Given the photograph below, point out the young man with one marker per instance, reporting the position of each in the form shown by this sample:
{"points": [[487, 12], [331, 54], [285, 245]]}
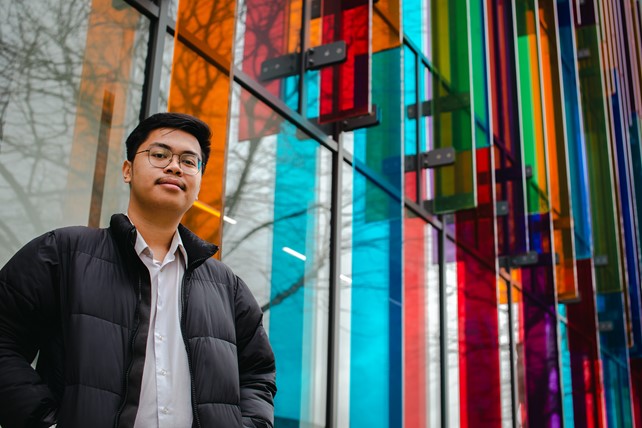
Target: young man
{"points": [[137, 325]]}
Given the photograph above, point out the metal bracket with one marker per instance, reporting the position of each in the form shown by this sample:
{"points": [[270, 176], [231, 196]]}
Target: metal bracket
{"points": [[601, 260], [359, 122], [501, 208], [322, 56], [526, 259], [444, 105], [279, 67], [315, 58], [432, 159]]}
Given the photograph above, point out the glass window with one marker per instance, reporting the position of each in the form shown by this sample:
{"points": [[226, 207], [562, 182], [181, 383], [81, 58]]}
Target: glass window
{"points": [[371, 317], [71, 91], [422, 390], [277, 238]]}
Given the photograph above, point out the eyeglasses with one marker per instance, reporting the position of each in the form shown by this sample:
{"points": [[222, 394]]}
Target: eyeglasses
{"points": [[160, 157]]}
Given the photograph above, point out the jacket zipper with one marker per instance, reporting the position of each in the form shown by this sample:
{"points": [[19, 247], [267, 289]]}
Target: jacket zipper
{"points": [[186, 279], [131, 357]]}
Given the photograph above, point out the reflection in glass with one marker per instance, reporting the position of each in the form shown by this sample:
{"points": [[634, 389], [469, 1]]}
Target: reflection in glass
{"points": [[71, 91], [277, 237]]}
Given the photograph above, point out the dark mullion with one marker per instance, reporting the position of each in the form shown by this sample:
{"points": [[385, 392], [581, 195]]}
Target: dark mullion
{"points": [[151, 88], [334, 296], [306, 16], [419, 129], [146, 7], [443, 327]]}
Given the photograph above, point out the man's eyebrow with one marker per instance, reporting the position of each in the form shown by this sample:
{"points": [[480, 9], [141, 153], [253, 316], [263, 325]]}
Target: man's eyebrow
{"points": [[165, 146]]}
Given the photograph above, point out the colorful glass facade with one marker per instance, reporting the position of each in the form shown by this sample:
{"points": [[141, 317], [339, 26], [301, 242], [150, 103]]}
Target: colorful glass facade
{"points": [[436, 203]]}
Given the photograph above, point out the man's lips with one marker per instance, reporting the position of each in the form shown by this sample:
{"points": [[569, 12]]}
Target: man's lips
{"points": [[172, 181]]}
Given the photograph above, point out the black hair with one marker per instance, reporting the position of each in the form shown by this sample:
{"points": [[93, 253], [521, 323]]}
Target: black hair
{"points": [[186, 123]]}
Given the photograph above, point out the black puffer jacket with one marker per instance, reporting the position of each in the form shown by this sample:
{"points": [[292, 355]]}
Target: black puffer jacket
{"points": [[82, 297]]}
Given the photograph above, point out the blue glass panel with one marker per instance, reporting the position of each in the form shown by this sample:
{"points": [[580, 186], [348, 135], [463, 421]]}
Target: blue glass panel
{"points": [[567, 379], [636, 168], [376, 322], [294, 194], [575, 136]]}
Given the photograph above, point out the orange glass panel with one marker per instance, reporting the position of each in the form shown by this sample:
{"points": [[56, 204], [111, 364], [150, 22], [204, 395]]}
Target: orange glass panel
{"points": [[102, 105], [386, 22], [559, 196], [197, 84]]}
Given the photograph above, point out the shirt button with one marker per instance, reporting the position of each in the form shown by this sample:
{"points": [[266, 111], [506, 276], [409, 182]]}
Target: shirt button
{"points": [[160, 337], [165, 410], [163, 372]]}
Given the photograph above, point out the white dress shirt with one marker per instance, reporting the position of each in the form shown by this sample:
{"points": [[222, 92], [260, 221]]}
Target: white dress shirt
{"points": [[165, 398]]}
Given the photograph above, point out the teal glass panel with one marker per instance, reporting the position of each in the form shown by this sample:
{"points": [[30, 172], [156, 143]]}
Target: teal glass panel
{"points": [[605, 229], [378, 149], [615, 359], [566, 373], [276, 233], [575, 137], [452, 104], [411, 124], [375, 314], [414, 22]]}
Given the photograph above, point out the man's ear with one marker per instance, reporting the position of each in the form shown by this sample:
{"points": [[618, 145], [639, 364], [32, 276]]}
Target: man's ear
{"points": [[127, 171]]}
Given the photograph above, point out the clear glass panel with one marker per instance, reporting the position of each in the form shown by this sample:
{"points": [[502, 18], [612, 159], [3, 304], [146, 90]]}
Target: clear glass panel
{"points": [[452, 335], [345, 320], [166, 71], [505, 356], [71, 92], [277, 234]]}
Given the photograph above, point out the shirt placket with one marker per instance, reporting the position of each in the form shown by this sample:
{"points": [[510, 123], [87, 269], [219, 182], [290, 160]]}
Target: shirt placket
{"points": [[160, 340]]}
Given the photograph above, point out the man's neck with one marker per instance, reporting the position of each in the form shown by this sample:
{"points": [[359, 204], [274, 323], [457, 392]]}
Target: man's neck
{"points": [[157, 231]]}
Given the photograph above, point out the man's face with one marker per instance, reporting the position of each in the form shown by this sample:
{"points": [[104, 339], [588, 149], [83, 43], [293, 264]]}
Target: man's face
{"points": [[168, 188]]}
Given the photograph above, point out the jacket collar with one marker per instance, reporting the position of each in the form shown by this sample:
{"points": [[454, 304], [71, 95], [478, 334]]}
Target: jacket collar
{"points": [[197, 249]]}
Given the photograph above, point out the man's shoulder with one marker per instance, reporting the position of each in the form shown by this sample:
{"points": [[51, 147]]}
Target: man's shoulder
{"points": [[81, 239]]}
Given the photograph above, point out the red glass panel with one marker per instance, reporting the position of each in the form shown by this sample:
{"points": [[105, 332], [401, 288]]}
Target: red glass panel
{"points": [[269, 29], [480, 390], [414, 324], [586, 366], [345, 88]]}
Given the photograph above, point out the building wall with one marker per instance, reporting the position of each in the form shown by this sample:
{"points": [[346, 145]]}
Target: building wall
{"points": [[441, 229]]}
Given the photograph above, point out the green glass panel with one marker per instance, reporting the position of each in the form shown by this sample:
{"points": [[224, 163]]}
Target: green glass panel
{"points": [[452, 103], [530, 105], [480, 75], [603, 207]]}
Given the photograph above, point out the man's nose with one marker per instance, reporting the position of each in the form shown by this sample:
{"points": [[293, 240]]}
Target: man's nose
{"points": [[174, 165]]}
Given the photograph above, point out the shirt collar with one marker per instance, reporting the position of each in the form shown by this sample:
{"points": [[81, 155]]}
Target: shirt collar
{"points": [[177, 244]]}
